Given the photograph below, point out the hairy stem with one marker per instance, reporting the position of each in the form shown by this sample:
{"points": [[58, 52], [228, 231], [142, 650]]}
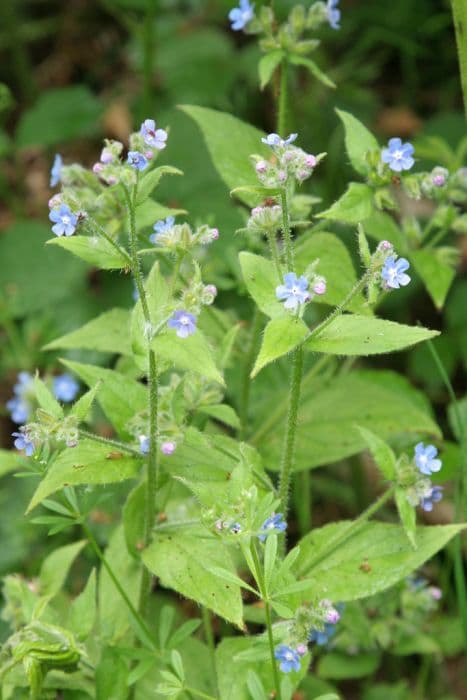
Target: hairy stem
{"points": [[274, 253], [288, 248], [459, 12], [282, 111], [110, 443], [291, 431]]}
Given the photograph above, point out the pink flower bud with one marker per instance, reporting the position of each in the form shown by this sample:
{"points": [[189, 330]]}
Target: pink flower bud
{"points": [[438, 180], [282, 175], [214, 234], [303, 174], [55, 201], [384, 245], [168, 448], [261, 166], [211, 289], [310, 161], [106, 156], [302, 649], [435, 592], [149, 154], [319, 287], [97, 168], [111, 180], [256, 211], [332, 616], [219, 525]]}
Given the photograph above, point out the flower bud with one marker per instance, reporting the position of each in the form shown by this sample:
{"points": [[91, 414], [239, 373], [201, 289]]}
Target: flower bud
{"points": [[435, 592], [168, 448], [261, 167], [55, 201], [302, 649], [97, 168], [214, 234], [310, 161], [149, 154], [319, 287], [106, 156]]}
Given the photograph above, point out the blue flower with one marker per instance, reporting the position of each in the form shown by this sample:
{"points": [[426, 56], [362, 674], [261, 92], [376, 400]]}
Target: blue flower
{"points": [[152, 136], [22, 442], [294, 291], [398, 155], [65, 221], [144, 444], [161, 227], [240, 16], [65, 387], [322, 637], [275, 140], [137, 160], [435, 496], [275, 523], [393, 272], [333, 13], [183, 322], [56, 170], [289, 658], [19, 410], [425, 459]]}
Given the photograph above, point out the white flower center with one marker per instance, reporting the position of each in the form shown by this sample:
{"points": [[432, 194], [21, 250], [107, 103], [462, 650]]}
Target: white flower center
{"points": [[289, 656], [184, 320], [398, 155], [65, 220]]}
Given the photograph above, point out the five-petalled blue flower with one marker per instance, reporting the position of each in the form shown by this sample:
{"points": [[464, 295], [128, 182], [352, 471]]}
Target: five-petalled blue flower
{"points": [[161, 227], [156, 138], [289, 658], [242, 15], [65, 387], [22, 442], [183, 322], [275, 140], [425, 459], [398, 155], [65, 221], [275, 523], [294, 291], [393, 272], [435, 496], [137, 160], [56, 170]]}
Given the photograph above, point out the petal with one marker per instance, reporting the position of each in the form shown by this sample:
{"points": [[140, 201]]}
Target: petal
{"points": [[386, 156], [403, 279], [58, 229], [282, 292], [291, 303], [395, 143], [407, 163], [402, 265], [396, 165], [407, 149], [290, 278], [435, 465], [431, 451]]}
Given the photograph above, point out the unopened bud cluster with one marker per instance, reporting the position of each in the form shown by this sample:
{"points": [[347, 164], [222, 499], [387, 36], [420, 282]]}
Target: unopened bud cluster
{"points": [[288, 163], [181, 237]]}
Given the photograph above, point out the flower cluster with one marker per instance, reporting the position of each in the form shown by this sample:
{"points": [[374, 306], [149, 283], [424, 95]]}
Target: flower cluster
{"points": [[275, 523], [289, 163], [46, 430], [20, 405], [330, 616], [419, 489], [181, 237], [144, 144], [167, 447], [295, 292], [265, 219]]}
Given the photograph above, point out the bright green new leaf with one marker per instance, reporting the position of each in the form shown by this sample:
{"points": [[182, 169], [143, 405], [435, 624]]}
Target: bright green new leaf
{"points": [[83, 406], [358, 141], [381, 452], [363, 335], [179, 560], [354, 206], [83, 609], [230, 143], [281, 335], [88, 463], [383, 549], [436, 275], [149, 182], [267, 65], [46, 399], [193, 353], [261, 280], [108, 332], [407, 516], [56, 566], [96, 250], [315, 71], [119, 396]]}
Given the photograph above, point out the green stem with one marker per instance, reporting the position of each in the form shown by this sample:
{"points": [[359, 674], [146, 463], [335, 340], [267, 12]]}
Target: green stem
{"points": [[255, 338], [291, 431], [90, 222], [271, 234], [288, 249], [148, 41], [283, 99], [176, 272], [199, 693], [459, 12], [209, 637], [460, 496], [110, 443], [146, 633]]}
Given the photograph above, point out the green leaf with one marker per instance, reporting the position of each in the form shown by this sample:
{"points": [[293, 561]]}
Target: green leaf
{"points": [[384, 549], [261, 280], [56, 566], [436, 275], [281, 335], [255, 686], [339, 666], [119, 396], [46, 399], [179, 560], [94, 249], [270, 554], [108, 332], [9, 462], [382, 227], [134, 519], [363, 335], [354, 206], [335, 264], [221, 412], [83, 406], [381, 452], [358, 141], [158, 299], [267, 65], [193, 353], [315, 71], [407, 516], [88, 463], [150, 211], [60, 115], [111, 675], [230, 143], [83, 610], [149, 182]]}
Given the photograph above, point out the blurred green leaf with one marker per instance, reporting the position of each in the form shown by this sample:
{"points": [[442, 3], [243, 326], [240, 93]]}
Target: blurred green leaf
{"points": [[108, 332]]}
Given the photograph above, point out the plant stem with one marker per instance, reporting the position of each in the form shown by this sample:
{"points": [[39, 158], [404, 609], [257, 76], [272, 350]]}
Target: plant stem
{"points": [[288, 249], [209, 637], [148, 41], [255, 337], [146, 633], [90, 222], [110, 443], [152, 476], [460, 495], [291, 431], [199, 693], [282, 114], [459, 12], [274, 252]]}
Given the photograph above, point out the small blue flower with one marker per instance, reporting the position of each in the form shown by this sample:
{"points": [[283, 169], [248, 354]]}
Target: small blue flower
{"points": [[19, 410], [435, 496], [161, 227], [235, 529], [153, 137], [398, 155], [393, 272], [275, 523], [65, 221], [289, 658], [144, 444], [65, 387], [137, 160], [322, 637], [183, 322], [242, 15], [333, 13], [22, 442], [294, 291], [56, 170], [425, 459], [274, 140]]}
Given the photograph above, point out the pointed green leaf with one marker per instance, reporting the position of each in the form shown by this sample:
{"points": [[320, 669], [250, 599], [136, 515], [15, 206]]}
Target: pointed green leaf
{"points": [[281, 335], [83, 406], [382, 227], [149, 182], [56, 566], [134, 519], [354, 206], [315, 71], [407, 516], [83, 609], [9, 462], [358, 141], [267, 65], [46, 399], [381, 453], [363, 335], [193, 353], [108, 332], [261, 280], [436, 275], [94, 249]]}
